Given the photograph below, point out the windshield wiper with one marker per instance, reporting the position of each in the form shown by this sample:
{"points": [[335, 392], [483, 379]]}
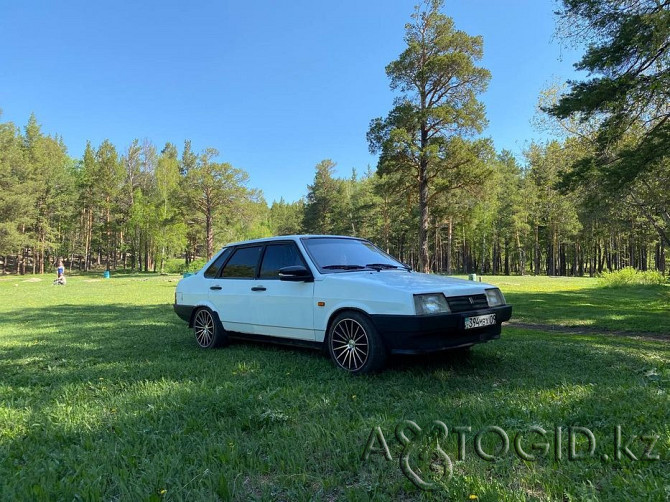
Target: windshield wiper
{"points": [[344, 267], [385, 266], [380, 266]]}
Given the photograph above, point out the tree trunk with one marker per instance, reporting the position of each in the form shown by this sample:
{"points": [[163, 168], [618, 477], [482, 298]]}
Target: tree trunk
{"points": [[424, 255], [537, 250], [423, 194], [137, 255], [42, 250], [578, 263], [146, 254], [209, 227], [563, 259], [108, 224], [449, 242], [522, 257], [507, 270], [89, 237]]}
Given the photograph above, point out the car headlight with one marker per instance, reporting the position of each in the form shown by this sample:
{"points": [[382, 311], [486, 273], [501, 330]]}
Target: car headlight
{"points": [[433, 303], [495, 297]]}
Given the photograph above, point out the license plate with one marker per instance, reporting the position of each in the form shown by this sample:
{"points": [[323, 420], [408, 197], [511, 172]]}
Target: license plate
{"points": [[480, 321]]}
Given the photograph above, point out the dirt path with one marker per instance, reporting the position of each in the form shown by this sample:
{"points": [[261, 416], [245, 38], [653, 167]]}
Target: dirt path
{"points": [[583, 330]]}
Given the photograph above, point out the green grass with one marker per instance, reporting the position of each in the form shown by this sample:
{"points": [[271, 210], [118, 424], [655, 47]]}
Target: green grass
{"points": [[584, 302], [104, 395]]}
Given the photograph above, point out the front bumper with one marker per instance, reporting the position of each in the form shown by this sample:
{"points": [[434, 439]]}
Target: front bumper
{"points": [[415, 334]]}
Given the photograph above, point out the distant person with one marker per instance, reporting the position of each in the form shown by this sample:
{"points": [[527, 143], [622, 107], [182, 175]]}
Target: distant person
{"points": [[60, 273]]}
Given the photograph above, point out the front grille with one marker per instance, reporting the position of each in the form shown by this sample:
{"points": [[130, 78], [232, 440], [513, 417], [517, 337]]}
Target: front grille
{"points": [[465, 303]]}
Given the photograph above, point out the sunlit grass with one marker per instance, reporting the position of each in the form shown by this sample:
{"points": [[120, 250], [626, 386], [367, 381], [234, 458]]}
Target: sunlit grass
{"points": [[105, 395], [584, 302]]}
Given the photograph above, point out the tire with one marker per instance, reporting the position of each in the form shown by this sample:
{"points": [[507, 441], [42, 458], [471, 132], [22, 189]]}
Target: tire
{"points": [[354, 344], [208, 330]]}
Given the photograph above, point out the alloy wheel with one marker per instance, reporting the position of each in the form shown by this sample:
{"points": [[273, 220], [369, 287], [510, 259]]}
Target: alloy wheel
{"points": [[350, 344], [203, 326]]}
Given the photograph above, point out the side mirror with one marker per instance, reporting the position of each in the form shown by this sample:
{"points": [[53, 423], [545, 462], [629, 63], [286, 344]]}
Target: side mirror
{"points": [[295, 273]]}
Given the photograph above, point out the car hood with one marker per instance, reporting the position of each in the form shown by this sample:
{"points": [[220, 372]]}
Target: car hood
{"points": [[412, 282]]}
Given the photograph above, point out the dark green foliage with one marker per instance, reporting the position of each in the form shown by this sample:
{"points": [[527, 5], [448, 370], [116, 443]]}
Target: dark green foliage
{"points": [[13, 204], [215, 193], [114, 210], [629, 58], [626, 93], [420, 142], [36, 189], [287, 217], [325, 202]]}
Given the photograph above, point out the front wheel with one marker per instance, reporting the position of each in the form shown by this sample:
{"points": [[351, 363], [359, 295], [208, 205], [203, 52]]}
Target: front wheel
{"points": [[354, 344], [208, 331]]}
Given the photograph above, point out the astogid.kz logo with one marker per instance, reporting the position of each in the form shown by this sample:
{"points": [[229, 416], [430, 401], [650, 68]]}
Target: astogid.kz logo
{"points": [[424, 461], [425, 445]]}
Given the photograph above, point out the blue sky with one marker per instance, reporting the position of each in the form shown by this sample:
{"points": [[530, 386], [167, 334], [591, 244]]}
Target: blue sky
{"points": [[275, 86]]}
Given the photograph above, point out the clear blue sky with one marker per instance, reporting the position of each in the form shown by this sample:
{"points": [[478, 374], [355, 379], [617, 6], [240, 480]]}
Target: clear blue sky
{"points": [[275, 86]]}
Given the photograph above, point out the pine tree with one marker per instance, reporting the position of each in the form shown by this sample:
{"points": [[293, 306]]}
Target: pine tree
{"points": [[439, 81]]}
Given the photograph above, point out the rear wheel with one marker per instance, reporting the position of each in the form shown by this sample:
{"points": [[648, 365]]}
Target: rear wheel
{"points": [[208, 331], [354, 344]]}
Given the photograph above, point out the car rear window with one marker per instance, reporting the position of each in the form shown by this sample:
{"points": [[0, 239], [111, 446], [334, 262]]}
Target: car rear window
{"points": [[213, 270], [242, 265]]}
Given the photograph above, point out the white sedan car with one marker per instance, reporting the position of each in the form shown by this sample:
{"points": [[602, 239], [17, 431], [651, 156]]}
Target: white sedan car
{"points": [[342, 294]]}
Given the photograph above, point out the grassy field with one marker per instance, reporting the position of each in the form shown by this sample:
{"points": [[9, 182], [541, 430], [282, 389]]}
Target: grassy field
{"points": [[585, 303], [105, 395]]}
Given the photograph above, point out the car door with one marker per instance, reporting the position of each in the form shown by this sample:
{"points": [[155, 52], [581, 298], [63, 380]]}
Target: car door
{"points": [[284, 308], [231, 292]]}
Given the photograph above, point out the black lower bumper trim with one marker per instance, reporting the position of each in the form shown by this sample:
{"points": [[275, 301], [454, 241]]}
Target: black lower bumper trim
{"points": [[412, 334], [184, 311]]}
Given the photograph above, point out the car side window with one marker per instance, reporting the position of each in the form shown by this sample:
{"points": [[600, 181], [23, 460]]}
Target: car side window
{"points": [[213, 270], [278, 256], [242, 265]]}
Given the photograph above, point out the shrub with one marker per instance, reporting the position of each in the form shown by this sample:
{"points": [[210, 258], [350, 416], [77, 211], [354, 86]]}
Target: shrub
{"points": [[629, 276], [177, 265], [195, 265], [174, 265]]}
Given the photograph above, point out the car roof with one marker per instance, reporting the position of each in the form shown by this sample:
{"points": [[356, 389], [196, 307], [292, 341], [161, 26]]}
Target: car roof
{"points": [[290, 238]]}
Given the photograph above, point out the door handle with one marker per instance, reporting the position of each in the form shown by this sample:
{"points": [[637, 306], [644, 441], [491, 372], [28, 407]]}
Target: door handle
{"points": [[258, 288], [216, 288]]}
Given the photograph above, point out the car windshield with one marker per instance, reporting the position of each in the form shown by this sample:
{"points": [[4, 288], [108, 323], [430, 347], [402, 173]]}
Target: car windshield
{"points": [[338, 254]]}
